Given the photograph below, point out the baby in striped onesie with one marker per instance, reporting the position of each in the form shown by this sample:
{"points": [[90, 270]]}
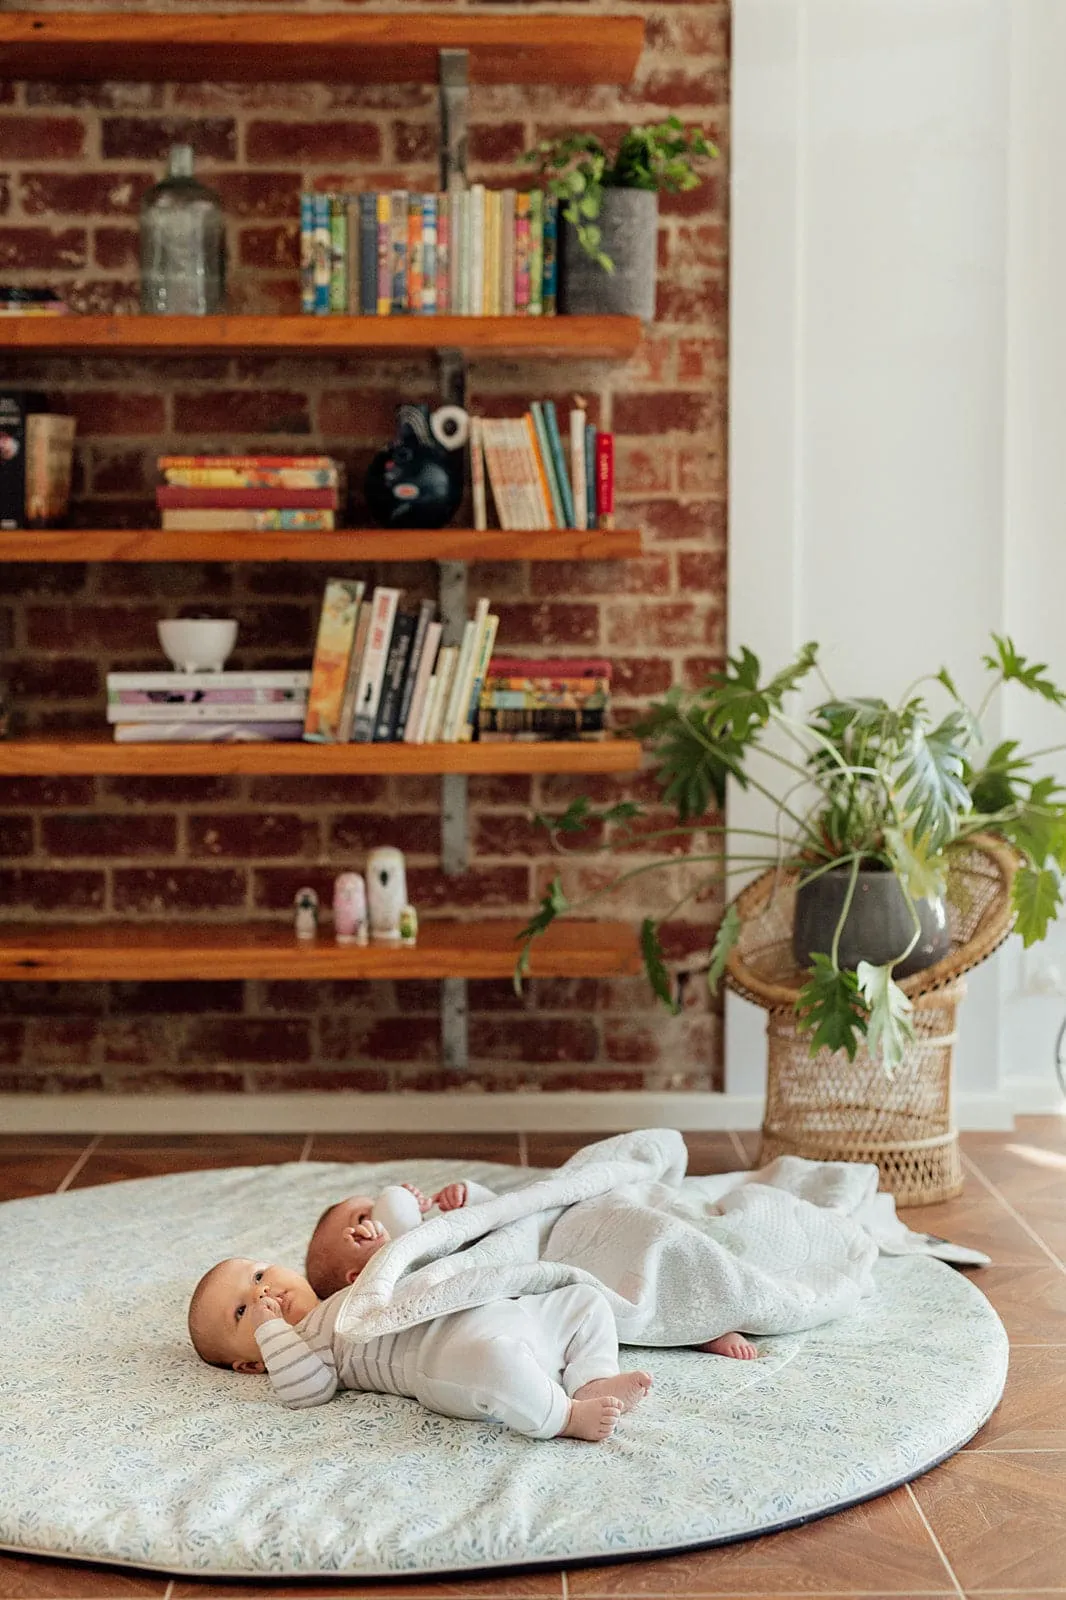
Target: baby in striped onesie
{"points": [[545, 1365]]}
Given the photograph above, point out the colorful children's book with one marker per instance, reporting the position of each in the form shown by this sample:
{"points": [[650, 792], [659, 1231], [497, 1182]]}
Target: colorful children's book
{"points": [[540, 425], [592, 493], [367, 304], [476, 263], [414, 254], [577, 467], [398, 258], [507, 252], [429, 253], [484, 652], [536, 252], [562, 477], [333, 647], [338, 253], [220, 520], [521, 255], [307, 253], [444, 253], [477, 475], [384, 227], [323, 254], [549, 276]]}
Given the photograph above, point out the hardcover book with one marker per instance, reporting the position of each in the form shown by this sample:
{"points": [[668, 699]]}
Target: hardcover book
{"points": [[338, 253], [322, 245], [174, 497], [355, 668], [414, 254], [217, 520], [414, 661], [151, 682], [15, 406], [429, 253], [403, 632], [416, 715], [49, 461], [368, 255], [205, 732], [398, 256], [333, 647], [383, 609]]}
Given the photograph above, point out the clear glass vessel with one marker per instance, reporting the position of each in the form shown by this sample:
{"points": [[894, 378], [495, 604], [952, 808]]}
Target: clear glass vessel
{"points": [[183, 243]]}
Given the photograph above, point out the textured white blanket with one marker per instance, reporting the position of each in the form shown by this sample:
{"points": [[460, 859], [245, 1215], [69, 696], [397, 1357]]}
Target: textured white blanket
{"points": [[681, 1261]]}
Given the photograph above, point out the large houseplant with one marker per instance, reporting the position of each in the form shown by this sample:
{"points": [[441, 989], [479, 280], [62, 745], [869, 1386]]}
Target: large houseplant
{"points": [[610, 207], [866, 786]]}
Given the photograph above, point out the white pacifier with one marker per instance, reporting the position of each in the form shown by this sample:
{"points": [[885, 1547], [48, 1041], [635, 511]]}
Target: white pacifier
{"points": [[397, 1210]]}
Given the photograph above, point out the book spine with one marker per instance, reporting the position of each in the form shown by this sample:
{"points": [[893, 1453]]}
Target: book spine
{"points": [[522, 474], [577, 468], [476, 267], [458, 698], [368, 254], [477, 475], [547, 461], [252, 463], [403, 629], [355, 668], [414, 253], [205, 732], [551, 423], [507, 258], [176, 497], [605, 480], [444, 256], [427, 721], [494, 466], [539, 480], [222, 521], [550, 667], [488, 639], [250, 478], [384, 255], [549, 722], [413, 722], [173, 701], [446, 666], [371, 677], [550, 271], [224, 711], [591, 474], [35, 498], [457, 256], [161, 682], [323, 250], [536, 252], [429, 254], [353, 254], [491, 293], [414, 661], [329, 670], [398, 259], [521, 255], [338, 253], [307, 253]]}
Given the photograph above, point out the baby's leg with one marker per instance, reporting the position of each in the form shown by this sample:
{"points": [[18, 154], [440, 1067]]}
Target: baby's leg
{"points": [[731, 1344], [573, 1332]]}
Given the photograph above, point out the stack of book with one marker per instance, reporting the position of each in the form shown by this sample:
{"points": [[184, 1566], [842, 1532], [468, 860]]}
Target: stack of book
{"points": [[526, 699], [473, 252], [533, 484], [36, 456], [16, 301], [248, 493], [381, 674], [213, 706]]}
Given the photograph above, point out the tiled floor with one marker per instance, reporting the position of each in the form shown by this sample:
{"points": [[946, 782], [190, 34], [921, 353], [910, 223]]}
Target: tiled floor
{"points": [[989, 1522]]}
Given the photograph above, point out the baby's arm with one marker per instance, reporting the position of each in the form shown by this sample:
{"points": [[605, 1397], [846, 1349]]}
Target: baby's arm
{"points": [[300, 1376], [455, 1195]]}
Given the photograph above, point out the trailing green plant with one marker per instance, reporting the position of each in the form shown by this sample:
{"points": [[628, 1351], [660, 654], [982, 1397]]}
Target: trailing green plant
{"points": [[577, 168], [865, 784]]}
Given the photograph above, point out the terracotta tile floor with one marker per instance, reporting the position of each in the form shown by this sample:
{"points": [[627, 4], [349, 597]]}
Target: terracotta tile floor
{"points": [[989, 1522]]}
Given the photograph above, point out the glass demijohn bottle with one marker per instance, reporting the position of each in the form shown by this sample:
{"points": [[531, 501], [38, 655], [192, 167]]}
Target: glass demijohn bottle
{"points": [[183, 243]]}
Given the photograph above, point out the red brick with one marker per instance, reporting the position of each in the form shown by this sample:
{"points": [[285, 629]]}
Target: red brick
{"points": [[415, 141], [34, 889], [702, 472], [670, 412], [102, 297], [116, 247], [301, 997], [11, 1037], [109, 627], [670, 625], [708, 199], [155, 891], [275, 888], [695, 670], [100, 412], [339, 791], [274, 627], [320, 1080], [701, 303], [536, 1039], [249, 836], [676, 87], [693, 519], [214, 1041], [32, 793], [100, 96], [504, 789], [648, 576], [241, 411], [131, 1042], [58, 1041], [43, 247], [98, 834], [549, 624], [403, 1038], [311, 143], [67, 678], [16, 837], [83, 194], [276, 246], [640, 676], [702, 571], [173, 791], [179, 998], [359, 831], [5, 196], [258, 194], [701, 359], [501, 834], [538, 994], [150, 138], [357, 413], [490, 888], [166, 1081], [51, 578], [40, 138], [496, 141]]}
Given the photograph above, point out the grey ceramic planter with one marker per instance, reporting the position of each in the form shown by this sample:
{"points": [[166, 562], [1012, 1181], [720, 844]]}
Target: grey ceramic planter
{"points": [[628, 222], [878, 925]]}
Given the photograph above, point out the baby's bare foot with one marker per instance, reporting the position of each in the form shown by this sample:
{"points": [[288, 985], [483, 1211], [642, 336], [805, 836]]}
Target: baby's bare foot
{"points": [[731, 1344], [593, 1419], [628, 1387]]}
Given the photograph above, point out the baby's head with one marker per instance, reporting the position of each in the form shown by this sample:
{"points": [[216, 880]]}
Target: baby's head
{"points": [[219, 1325], [338, 1253]]}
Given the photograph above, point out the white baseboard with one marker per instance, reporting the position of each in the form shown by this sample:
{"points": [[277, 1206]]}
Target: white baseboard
{"points": [[416, 1113], [1035, 1096]]}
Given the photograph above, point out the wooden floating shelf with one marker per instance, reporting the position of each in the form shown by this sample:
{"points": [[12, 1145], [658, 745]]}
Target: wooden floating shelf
{"points": [[354, 544], [69, 754], [607, 337], [99, 952], [284, 46]]}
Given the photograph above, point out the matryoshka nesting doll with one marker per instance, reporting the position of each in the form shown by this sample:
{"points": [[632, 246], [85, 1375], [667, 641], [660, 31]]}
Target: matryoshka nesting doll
{"points": [[349, 909], [386, 888]]}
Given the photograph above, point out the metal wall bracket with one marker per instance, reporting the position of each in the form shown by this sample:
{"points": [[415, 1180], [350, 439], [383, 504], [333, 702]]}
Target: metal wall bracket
{"points": [[454, 80]]}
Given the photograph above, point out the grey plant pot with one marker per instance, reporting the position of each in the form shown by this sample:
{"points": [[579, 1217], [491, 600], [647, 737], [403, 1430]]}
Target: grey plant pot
{"points": [[878, 925], [628, 222]]}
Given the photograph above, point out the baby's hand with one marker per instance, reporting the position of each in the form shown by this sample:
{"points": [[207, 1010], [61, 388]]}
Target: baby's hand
{"points": [[264, 1310], [423, 1203], [452, 1197], [362, 1232]]}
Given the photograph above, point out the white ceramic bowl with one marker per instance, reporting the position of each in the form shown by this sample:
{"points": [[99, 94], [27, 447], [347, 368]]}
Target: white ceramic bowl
{"points": [[198, 644]]}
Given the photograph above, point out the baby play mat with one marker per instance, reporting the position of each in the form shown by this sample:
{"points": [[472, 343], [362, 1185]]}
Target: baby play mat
{"points": [[117, 1445]]}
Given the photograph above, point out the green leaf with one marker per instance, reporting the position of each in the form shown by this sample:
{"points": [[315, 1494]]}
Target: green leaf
{"points": [[992, 787], [890, 1027], [937, 796], [1035, 894], [575, 819], [724, 940], [553, 904], [922, 870], [830, 1007], [1015, 668], [655, 965]]}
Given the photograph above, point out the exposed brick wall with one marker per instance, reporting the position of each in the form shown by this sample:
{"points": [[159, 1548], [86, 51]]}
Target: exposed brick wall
{"points": [[76, 160]]}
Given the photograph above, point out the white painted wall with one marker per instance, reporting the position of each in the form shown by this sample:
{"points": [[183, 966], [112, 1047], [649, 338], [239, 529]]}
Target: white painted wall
{"points": [[897, 439]]}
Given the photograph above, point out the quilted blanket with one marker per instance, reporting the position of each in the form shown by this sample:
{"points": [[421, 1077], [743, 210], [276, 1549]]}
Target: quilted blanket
{"points": [[681, 1261]]}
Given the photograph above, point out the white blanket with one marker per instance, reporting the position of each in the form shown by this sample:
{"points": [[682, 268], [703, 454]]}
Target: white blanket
{"points": [[681, 1261]]}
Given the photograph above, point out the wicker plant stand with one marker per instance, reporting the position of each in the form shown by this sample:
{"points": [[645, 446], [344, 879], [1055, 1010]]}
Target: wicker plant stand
{"points": [[828, 1108]]}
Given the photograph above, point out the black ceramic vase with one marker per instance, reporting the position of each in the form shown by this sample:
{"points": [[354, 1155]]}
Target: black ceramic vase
{"points": [[878, 926], [417, 480]]}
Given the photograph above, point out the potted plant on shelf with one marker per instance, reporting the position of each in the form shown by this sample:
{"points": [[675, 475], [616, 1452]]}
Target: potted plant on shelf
{"points": [[610, 210], [876, 803]]}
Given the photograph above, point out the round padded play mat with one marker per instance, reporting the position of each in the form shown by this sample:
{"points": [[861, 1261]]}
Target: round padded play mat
{"points": [[118, 1445]]}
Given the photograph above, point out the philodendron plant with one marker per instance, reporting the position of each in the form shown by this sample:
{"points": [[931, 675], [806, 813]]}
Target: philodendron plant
{"points": [[577, 168], [865, 784]]}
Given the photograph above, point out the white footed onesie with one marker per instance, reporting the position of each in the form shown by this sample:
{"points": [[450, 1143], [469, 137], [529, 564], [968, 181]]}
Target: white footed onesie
{"points": [[515, 1362]]}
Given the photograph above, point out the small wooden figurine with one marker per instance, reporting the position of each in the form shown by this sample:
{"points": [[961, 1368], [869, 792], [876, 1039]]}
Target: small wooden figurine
{"points": [[408, 925], [306, 904], [349, 909], [386, 888]]}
